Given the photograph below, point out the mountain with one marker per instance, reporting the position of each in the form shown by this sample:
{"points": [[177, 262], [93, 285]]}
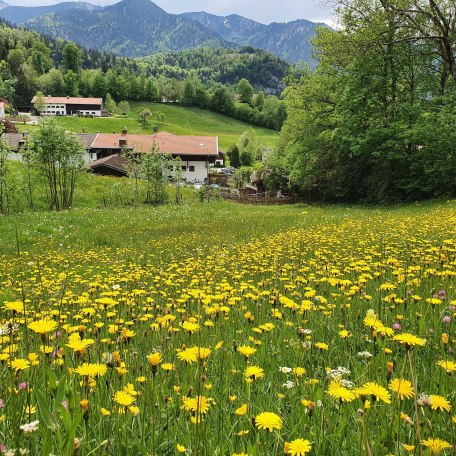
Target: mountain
{"points": [[133, 28], [21, 14], [137, 28], [289, 40]]}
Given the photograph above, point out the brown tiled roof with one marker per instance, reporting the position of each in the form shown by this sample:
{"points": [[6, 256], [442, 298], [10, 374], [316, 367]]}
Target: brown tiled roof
{"points": [[71, 100], [112, 161], [167, 142], [87, 139], [13, 139]]}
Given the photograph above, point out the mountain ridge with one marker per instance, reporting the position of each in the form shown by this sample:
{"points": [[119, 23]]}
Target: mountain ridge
{"points": [[133, 28], [137, 28], [288, 40]]}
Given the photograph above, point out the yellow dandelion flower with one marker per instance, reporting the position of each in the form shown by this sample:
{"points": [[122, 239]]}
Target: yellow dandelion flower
{"points": [[403, 388], [253, 373], [43, 326], [154, 358], [409, 340], [91, 370], [123, 398], [19, 364], [299, 447], [449, 366], [198, 404], [242, 410], [336, 391], [436, 446], [439, 403], [379, 392], [246, 350], [269, 421]]}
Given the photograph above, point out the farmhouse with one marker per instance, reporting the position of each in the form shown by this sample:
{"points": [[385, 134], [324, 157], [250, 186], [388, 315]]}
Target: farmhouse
{"points": [[104, 151], [196, 152], [68, 106], [2, 109]]}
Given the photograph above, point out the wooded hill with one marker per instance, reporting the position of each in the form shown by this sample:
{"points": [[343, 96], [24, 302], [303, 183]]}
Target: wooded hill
{"points": [[30, 62]]}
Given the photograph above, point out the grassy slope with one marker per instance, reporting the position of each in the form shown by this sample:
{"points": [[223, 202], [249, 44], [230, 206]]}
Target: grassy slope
{"points": [[179, 120], [191, 226]]}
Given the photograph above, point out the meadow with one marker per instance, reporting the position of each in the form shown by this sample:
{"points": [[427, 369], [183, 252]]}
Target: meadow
{"points": [[179, 120], [222, 329]]}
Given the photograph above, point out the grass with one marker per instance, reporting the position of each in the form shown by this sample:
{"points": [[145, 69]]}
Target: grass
{"points": [[162, 303], [179, 120]]}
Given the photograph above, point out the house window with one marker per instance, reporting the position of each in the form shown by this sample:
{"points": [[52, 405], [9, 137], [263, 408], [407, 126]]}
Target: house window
{"points": [[184, 168], [191, 168]]}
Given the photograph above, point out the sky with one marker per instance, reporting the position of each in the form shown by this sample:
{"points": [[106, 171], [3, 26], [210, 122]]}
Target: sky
{"points": [[265, 11]]}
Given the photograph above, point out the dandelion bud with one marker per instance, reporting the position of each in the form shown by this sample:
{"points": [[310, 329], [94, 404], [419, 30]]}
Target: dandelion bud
{"points": [[445, 338], [84, 404], [203, 378]]}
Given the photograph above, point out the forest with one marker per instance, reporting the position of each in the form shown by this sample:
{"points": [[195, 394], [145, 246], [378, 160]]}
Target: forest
{"points": [[376, 121]]}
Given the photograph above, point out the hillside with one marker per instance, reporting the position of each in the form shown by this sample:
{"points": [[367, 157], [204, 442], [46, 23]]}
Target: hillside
{"points": [[290, 41], [131, 28], [179, 120], [264, 70]]}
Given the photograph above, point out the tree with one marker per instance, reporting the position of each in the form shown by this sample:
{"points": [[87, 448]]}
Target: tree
{"points": [[40, 103], [222, 101], [60, 157], [245, 91], [259, 101], [41, 57], [99, 86], [177, 175], [144, 113], [235, 159], [71, 83], [52, 83], [249, 147], [188, 97], [16, 57], [358, 127], [72, 58], [155, 169], [110, 104], [133, 165]]}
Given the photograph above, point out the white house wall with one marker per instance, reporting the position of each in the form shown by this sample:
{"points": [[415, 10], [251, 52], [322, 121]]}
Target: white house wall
{"points": [[55, 109], [2, 113], [199, 173]]}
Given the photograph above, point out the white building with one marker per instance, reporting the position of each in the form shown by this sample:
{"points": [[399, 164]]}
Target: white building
{"points": [[2, 110], [68, 106], [197, 153]]}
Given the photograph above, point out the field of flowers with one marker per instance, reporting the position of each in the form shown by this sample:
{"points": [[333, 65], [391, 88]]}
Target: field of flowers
{"points": [[323, 331]]}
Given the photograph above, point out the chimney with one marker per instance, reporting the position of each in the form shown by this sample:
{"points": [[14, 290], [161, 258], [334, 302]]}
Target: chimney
{"points": [[124, 131], [68, 97], [122, 142]]}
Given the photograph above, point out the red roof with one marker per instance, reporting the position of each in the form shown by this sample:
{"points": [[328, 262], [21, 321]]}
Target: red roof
{"points": [[2, 105], [167, 143], [71, 100]]}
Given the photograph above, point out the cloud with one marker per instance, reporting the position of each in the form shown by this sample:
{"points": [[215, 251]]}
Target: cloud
{"points": [[265, 11]]}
